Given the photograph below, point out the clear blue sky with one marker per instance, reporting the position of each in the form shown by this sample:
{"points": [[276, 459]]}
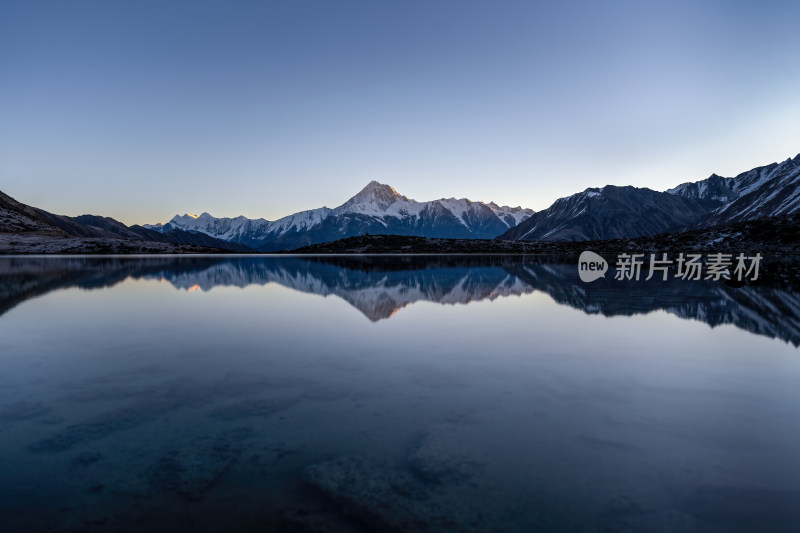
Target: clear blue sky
{"points": [[143, 109]]}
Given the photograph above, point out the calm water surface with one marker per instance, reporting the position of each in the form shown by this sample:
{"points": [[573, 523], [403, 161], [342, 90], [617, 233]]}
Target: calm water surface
{"points": [[391, 394]]}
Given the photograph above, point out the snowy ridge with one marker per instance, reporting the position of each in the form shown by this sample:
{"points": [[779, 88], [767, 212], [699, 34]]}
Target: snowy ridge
{"points": [[762, 192], [613, 212], [610, 212], [378, 208], [242, 228]]}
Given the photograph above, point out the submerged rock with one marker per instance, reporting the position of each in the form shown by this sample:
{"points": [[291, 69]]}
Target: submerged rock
{"points": [[252, 408], [315, 520], [101, 426], [746, 508], [87, 458], [23, 411], [388, 499], [445, 455], [669, 521], [196, 467]]}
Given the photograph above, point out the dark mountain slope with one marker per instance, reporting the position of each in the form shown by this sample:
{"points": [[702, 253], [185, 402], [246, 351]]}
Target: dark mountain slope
{"points": [[611, 213], [35, 230]]}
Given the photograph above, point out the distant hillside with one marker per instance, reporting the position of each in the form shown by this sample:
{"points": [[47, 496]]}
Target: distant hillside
{"points": [[611, 213], [26, 229]]}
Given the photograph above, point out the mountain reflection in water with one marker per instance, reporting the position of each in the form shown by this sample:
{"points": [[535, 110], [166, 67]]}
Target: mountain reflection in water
{"points": [[379, 286]]}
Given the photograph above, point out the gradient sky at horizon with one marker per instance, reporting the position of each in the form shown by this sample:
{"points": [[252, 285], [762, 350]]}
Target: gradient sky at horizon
{"points": [[143, 109]]}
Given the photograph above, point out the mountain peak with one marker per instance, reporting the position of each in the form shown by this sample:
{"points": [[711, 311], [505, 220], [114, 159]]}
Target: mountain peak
{"points": [[186, 217], [376, 187], [375, 194]]}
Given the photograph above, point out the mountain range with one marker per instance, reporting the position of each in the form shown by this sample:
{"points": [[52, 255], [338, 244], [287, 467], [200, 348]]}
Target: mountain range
{"points": [[610, 212], [376, 209], [626, 212], [762, 192], [45, 232]]}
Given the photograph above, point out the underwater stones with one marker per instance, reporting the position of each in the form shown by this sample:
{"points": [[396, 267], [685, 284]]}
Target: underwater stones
{"points": [[270, 455], [315, 520], [24, 410], [87, 458], [101, 426], [669, 521], [252, 408], [622, 504], [389, 499], [444, 454], [107, 393], [626, 514], [237, 385], [195, 468], [745, 508]]}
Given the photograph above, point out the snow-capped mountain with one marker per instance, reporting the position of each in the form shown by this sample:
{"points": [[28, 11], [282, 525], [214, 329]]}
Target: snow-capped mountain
{"points": [[377, 208], [242, 230], [611, 213], [628, 212], [767, 191]]}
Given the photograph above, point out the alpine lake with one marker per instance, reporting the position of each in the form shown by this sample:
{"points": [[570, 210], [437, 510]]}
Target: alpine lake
{"points": [[392, 393]]}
